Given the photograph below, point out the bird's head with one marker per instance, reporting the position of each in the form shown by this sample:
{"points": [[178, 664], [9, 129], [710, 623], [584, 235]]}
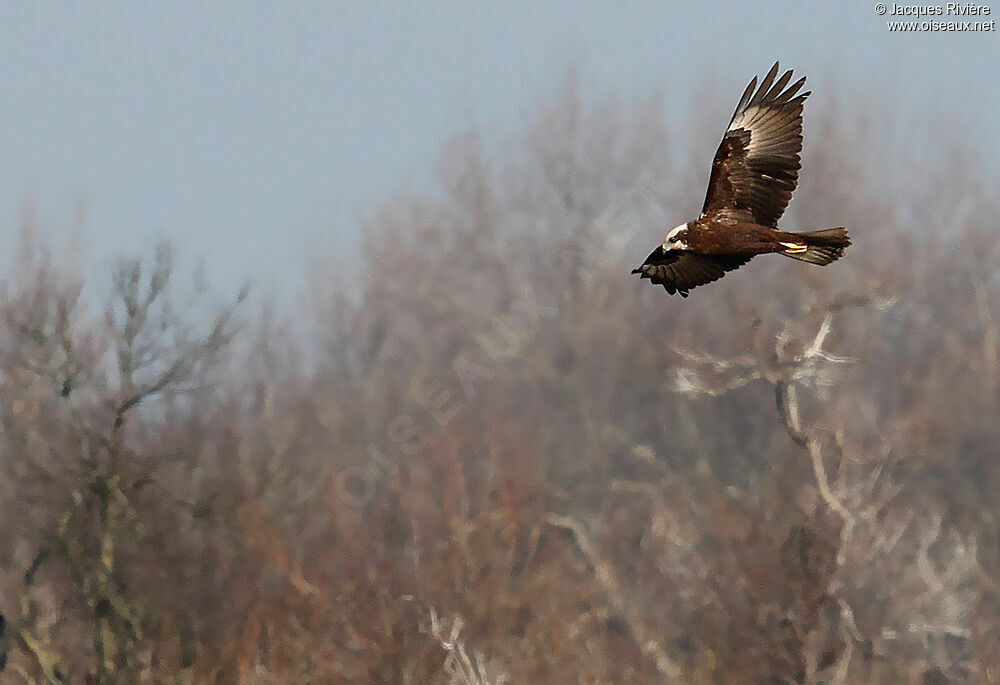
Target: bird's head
{"points": [[675, 239]]}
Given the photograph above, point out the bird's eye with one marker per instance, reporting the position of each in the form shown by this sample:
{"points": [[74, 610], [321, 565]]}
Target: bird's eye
{"points": [[672, 239]]}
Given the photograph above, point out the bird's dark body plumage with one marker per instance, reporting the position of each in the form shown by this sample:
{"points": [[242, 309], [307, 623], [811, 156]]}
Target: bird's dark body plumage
{"points": [[754, 173]]}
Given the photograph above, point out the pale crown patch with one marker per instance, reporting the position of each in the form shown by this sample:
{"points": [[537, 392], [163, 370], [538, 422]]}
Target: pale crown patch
{"points": [[675, 239]]}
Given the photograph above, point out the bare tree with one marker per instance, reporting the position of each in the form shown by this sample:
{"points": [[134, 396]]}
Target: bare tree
{"points": [[788, 477]]}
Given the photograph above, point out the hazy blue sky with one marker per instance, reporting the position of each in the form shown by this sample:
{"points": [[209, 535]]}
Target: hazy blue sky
{"points": [[246, 130]]}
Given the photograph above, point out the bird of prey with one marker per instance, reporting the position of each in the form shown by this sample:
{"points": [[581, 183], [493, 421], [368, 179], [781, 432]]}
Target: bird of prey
{"points": [[754, 173]]}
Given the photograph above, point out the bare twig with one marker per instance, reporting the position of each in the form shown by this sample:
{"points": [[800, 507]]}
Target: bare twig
{"points": [[458, 666], [616, 594]]}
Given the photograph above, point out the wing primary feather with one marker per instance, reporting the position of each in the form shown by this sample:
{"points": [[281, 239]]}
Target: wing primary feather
{"points": [[790, 92], [778, 85], [765, 85], [745, 99]]}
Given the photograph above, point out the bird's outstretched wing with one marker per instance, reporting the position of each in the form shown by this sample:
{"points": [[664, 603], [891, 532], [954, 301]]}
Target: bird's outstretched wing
{"points": [[678, 272], [756, 167]]}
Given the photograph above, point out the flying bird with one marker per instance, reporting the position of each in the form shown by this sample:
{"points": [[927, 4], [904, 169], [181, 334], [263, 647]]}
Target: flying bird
{"points": [[754, 173]]}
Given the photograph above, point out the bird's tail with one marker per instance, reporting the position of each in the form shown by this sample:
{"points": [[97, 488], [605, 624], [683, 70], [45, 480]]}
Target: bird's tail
{"points": [[817, 247]]}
